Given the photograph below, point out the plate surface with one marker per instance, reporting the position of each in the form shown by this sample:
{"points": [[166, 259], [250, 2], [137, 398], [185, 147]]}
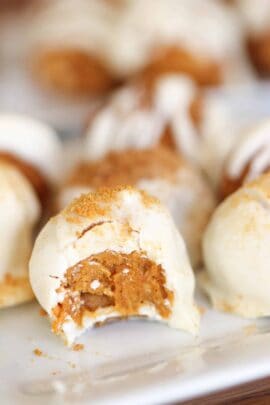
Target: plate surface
{"points": [[134, 362]]}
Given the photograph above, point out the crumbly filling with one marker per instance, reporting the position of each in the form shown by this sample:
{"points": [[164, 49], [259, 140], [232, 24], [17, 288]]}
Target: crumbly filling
{"points": [[124, 282], [118, 168]]}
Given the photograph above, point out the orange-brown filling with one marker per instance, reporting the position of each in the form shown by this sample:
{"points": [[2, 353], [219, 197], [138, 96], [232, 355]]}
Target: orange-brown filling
{"points": [[124, 282]]}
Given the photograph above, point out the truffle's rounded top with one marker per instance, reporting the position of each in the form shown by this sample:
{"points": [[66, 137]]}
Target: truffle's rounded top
{"points": [[121, 221], [19, 212], [33, 142], [236, 251]]}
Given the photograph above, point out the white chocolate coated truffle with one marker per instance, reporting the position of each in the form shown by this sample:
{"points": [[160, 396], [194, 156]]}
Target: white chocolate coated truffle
{"points": [[19, 213], [127, 121], [236, 252], [119, 221]]}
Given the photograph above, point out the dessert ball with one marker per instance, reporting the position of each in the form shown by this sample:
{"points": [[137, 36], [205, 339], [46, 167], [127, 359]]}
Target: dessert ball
{"points": [[140, 115], [19, 213], [160, 172], [29, 166], [249, 158], [170, 111], [236, 252], [111, 254], [68, 42]]}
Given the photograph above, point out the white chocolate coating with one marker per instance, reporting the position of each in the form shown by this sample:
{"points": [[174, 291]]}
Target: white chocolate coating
{"points": [[32, 141], [190, 202], [255, 15], [182, 195], [236, 252], [58, 247], [19, 213], [253, 150]]}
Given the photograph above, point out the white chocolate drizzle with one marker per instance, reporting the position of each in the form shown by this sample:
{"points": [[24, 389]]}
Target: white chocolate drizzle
{"points": [[253, 150]]}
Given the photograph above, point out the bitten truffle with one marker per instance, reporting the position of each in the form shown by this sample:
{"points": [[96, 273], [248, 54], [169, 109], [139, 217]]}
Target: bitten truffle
{"points": [[111, 254]]}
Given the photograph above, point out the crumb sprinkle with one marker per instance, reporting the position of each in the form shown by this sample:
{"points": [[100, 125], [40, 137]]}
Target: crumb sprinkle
{"points": [[78, 347], [99, 203], [37, 352]]}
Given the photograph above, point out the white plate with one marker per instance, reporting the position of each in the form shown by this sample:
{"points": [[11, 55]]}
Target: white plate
{"points": [[129, 362]]}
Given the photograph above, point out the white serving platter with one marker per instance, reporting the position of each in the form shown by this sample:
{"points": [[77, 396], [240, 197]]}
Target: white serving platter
{"points": [[128, 362]]}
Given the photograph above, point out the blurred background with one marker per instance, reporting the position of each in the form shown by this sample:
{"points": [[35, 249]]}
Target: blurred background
{"points": [[59, 58]]}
